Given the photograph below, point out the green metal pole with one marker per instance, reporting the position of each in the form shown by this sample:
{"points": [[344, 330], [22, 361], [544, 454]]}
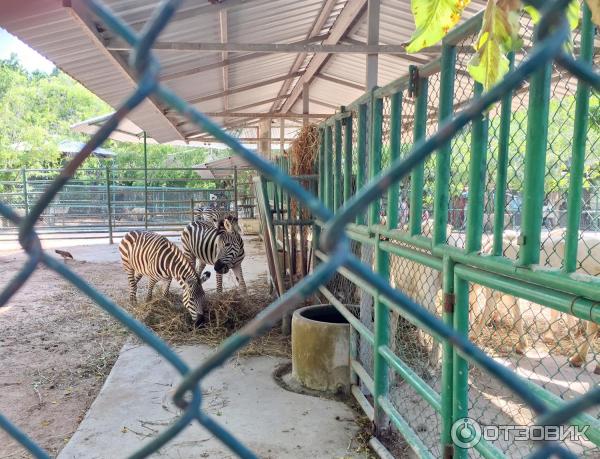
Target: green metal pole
{"points": [[145, 181], [442, 166], [328, 168], [337, 174], [25, 196], [447, 359], [235, 190], [192, 208], [347, 158], [375, 153], [361, 153], [477, 166], [109, 205], [535, 166], [460, 382], [582, 107], [380, 366], [418, 173], [502, 166], [321, 166], [395, 128]]}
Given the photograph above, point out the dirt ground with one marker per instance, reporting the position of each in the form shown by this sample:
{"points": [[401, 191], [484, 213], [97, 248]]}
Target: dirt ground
{"points": [[56, 346]]}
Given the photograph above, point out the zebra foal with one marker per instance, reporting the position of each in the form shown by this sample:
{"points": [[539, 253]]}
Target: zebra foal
{"points": [[222, 247], [149, 254], [216, 218]]}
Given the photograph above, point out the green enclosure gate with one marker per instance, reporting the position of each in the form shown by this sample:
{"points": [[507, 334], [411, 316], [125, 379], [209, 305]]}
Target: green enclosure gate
{"points": [[444, 388], [486, 235]]}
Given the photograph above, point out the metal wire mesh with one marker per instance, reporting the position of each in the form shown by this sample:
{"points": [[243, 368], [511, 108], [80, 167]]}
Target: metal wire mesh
{"points": [[188, 395]]}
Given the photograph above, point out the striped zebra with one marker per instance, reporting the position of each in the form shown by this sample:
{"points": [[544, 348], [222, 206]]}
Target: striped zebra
{"points": [[221, 247], [216, 217], [149, 254]]}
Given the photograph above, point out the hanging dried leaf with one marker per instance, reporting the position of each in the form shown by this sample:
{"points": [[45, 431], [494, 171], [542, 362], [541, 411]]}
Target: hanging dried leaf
{"points": [[433, 20]]}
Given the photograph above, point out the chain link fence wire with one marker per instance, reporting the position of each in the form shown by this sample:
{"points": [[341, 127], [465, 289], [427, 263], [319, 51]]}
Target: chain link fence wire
{"points": [[188, 396]]}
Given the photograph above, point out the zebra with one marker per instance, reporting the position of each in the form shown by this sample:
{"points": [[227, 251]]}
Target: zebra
{"points": [[153, 255], [221, 247], [216, 217]]}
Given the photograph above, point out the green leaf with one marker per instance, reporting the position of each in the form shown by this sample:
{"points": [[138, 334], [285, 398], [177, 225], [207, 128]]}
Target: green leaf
{"points": [[433, 20], [573, 13], [594, 6], [498, 36]]}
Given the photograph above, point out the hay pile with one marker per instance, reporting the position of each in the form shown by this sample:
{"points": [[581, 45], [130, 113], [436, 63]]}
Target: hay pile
{"points": [[304, 150], [224, 315]]}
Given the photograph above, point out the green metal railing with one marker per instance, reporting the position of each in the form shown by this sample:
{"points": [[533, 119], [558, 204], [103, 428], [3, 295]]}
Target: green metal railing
{"points": [[449, 260], [562, 290]]}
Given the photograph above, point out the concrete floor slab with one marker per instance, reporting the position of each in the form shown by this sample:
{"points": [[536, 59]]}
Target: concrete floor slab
{"points": [[135, 405]]}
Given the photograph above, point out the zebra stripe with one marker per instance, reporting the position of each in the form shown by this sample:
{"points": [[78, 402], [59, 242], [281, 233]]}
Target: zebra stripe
{"points": [[149, 254], [215, 246], [216, 217]]}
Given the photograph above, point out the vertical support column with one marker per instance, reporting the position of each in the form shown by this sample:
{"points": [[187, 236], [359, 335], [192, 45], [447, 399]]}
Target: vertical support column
{"points": [[321, 165], [380, 366], [460, 380], [305, 103], [479, 142], [417, 181], [281, 136], [375, 153], [264, 137], [145, 182], [535, 166], [447, 359], [361, 153], [328, 168], [109, 205], [395, 128], [337, 177], [235, 190], [192, 209], [347, 122], [442, 166], [372, 39], [582, 105], [25, 192], [502, 166]]}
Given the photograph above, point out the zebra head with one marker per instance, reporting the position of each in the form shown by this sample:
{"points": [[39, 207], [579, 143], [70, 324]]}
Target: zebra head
{"points": [[229, 224], [229, 250], [193, 297]]}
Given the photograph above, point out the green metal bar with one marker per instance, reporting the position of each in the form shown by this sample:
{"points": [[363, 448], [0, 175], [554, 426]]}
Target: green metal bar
{"points": [[418, 173], [447, 390], [502, 166], [145, 182], [337, 174], [382, 314], [375, 153], [477, 169], [235, 190], [328, 168], [535, 166], [25, 197], [347, 158], [460, 367], [442, 166], [321, 166], [363, 375], [582, 109], [395, 128], [361, 153], [109, 205]]}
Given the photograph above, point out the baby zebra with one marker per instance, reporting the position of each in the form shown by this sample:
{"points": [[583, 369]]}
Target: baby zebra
{"points": [[221, 247], [153, 255], [217, 217]]}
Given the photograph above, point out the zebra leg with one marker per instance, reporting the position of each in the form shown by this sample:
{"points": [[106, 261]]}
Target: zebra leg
{"points": [[133, 281], [219, 283], [151, 284], [237, 270], [166, 292]]}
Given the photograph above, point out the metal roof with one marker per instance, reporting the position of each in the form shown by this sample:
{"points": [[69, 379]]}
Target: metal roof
{"points": [[222, 168], [220, 81], [72, 147]]}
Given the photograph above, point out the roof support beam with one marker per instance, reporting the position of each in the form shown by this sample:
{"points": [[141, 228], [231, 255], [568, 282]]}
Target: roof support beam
{"points": [[323, 104], [267, 48], [258, 115], [225, 68], [372, 39], [249, 87], [351, 11], [247, 106], [359, 87], [229, 61]]}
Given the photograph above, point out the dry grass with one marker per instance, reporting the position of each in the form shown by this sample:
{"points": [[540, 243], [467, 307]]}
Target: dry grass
{"points": [[225, 314], [304, 150]]}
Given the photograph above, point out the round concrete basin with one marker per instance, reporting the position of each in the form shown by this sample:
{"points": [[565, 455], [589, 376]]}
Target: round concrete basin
{"points": [[321, 349]]}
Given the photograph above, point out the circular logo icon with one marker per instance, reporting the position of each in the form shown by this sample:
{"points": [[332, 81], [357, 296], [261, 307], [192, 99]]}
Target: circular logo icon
{"points": [[466, 433]]}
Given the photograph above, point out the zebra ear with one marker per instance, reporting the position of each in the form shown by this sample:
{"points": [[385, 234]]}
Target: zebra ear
{"points": [[227, 225]]}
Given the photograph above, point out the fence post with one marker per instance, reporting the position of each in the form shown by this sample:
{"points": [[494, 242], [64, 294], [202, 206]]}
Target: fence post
{"points": [[25, 198], [375, 153], [418, 173], [235, 190], [328, 168], [380, 366], [337, 176], [347, 157], [460, 380], [395, 128], [192, 208], [446, 391], [109, 205], [145, 182], [582, 106], [361, 153]]}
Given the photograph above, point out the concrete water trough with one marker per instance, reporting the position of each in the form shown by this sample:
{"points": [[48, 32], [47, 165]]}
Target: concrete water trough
{"points": [[321, 349]]}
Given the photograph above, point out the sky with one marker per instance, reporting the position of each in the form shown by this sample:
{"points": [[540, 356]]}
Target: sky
{"points": [[29, 59]]}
